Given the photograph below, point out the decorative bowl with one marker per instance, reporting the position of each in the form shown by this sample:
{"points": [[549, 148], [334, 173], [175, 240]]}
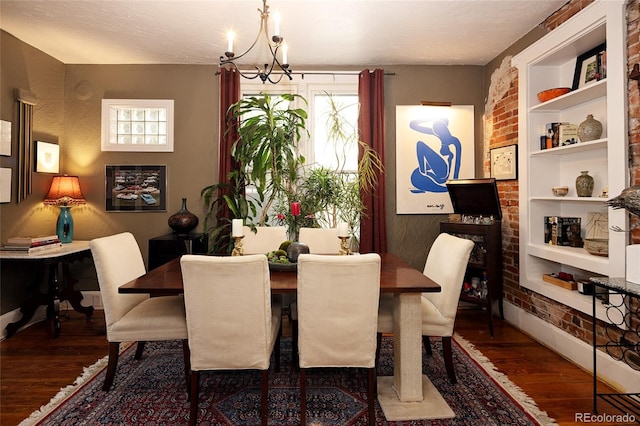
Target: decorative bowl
{"points": [[597, 246], [560, 191], [547, 95], [284, 267]]}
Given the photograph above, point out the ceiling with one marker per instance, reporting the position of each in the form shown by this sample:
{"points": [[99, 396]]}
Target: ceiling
{"points": [[318, 32]]}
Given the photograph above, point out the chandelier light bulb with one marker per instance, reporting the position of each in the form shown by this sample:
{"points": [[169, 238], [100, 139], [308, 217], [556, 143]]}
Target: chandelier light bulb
{"points": [[230, 37], [276, 20]]}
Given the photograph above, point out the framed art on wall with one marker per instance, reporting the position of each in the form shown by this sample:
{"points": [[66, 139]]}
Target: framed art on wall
{"points": [[5, 137], [504, 162], [136, 188], [47, 157], [434, 144]]}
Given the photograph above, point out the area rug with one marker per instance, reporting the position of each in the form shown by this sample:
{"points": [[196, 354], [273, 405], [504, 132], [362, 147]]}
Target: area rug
{"points": [[151, 391]]}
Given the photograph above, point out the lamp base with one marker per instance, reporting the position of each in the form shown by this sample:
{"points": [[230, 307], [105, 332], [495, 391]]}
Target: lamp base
{"points": [[64, 228]]}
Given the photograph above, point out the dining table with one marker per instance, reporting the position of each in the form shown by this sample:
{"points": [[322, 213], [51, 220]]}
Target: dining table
{"points": [[401, 398]]}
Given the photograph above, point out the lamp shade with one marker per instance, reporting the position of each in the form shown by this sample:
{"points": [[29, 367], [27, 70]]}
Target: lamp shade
{"points": [[65, 190]]}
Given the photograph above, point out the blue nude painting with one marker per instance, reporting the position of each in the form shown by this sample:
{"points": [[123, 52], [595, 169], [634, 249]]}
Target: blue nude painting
{"points": [[433, 145]]}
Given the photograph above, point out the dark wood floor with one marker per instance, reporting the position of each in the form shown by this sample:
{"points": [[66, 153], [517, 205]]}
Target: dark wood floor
{"points": [[34, 366]]}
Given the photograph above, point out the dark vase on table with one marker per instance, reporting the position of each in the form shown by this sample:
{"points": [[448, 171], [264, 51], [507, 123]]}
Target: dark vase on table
{"points": [[183, 221]]}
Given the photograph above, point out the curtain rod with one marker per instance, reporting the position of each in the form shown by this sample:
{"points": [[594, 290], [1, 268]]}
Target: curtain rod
{"points": [[303, 73]]}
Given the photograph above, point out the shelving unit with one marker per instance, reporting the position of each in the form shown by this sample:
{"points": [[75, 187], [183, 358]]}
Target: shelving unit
{"points": [[550, 62], [486, 256]]}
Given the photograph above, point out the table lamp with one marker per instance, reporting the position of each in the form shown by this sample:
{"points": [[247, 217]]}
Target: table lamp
{"points": [[64, 192]]}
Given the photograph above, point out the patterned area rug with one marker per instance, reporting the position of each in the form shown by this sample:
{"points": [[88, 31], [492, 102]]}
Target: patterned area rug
{"points": [[152, 391]]}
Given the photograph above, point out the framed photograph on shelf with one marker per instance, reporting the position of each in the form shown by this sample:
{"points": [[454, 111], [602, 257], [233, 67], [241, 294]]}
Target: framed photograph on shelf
{"points": [[591, 66], [504, 162], [136, 188]]}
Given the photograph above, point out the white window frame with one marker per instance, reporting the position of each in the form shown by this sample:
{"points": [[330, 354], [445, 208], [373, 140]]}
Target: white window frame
{"points": [[109, 127]]}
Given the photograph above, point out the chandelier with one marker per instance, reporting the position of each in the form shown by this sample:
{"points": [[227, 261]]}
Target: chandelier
{"points": [[274, 43]]}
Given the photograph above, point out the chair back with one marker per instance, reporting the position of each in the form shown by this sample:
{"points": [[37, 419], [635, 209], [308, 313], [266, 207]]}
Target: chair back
{"points": [[264, 240], [228, 305], [338, 310], [320, 240], [446, 264], [118, 260]]}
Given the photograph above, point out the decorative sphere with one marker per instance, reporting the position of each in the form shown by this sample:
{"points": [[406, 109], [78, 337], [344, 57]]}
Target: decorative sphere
{"points": [[295, 249]]}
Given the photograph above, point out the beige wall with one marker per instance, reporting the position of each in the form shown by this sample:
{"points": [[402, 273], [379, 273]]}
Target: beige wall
{"points": [[68, 112]]}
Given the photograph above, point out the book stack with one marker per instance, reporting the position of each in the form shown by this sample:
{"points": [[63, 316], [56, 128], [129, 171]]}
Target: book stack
{"points": [[32, 244]]}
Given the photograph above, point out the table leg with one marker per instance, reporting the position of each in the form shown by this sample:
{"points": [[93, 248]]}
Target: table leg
{"points": [[28, 308], [53, 305], [409, 395], [72, 295]]}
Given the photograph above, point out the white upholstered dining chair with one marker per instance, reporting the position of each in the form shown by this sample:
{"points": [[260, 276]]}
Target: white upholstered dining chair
{"points": [[231, 322], [133, 317], [264, 240], [337, 317], [446, 265], [320, 240]]}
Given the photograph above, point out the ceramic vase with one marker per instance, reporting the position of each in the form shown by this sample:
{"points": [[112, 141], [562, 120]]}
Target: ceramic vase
{"points": [[295, 249], [584, 184], [183, 221], [590, 129]]}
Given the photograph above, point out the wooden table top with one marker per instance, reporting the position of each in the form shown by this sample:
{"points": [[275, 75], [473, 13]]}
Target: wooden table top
{"points": [[396, 276]]}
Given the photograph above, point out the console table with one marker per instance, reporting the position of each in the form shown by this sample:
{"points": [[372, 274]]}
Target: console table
{"points": [[50, 262], [622, 338]]}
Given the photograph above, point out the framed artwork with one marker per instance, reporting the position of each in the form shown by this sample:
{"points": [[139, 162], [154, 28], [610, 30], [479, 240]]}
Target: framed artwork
{"points": [[136, 188], [504, 163], [5, 137], [434, 144], [591, 66], [47, 157], [5, 185], [137, 125]]}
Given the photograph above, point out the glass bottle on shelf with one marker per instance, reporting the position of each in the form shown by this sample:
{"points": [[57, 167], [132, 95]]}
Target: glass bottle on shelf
{"points": [[483, 288]]}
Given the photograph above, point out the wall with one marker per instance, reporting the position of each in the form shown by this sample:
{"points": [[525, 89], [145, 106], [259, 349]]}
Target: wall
{"points": [[502, 119], [76, 98]]}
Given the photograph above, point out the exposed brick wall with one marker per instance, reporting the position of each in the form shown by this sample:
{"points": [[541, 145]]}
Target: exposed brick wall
{"points": [[502, 121]]}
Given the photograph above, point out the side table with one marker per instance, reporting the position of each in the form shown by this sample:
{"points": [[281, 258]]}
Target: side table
{"points": [[50, 262], [622, 338], [169, 246]]}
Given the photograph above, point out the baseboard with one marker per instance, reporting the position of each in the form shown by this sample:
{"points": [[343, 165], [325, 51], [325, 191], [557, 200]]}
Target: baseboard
{"points": [[615, 373], [89, 298]]}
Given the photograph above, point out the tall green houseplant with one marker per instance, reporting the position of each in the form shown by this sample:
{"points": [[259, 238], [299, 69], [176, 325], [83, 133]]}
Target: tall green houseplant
{"points": [[269, 132]]}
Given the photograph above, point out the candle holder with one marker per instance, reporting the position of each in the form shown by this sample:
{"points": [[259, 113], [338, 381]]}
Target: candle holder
{"points": [[344, 246], [237, 246]]}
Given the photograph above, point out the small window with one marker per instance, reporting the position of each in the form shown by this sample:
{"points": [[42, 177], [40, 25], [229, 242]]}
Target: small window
{"points": [[137, 125]]}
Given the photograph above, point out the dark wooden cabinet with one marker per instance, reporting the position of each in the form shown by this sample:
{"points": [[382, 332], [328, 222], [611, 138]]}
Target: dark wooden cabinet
{"points": [[486, 257], [167, 247]]}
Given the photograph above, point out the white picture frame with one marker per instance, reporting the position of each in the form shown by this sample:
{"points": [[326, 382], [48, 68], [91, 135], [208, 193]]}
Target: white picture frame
{"points": [[5, 138], [47, 157], [137, 125], [434, 144], [5, 185], [504, 162]]}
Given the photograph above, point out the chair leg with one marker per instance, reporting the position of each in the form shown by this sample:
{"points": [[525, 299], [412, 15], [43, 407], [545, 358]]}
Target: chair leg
{"points": [[426, 342], [264, 407], [303, 397], [448, 358], [375, 377], [114, 352], [277, 349], [294, 344], [193, 407], [371, 396], [186, 354], [139, 350]]}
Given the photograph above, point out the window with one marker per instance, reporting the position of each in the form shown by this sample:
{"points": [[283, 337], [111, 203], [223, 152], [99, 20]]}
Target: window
{"points": [[319, 90], [137, 125]]}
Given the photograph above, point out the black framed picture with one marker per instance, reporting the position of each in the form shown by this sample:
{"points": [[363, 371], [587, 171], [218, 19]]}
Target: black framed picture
{"points": [[136, 188], [591, 66]]}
